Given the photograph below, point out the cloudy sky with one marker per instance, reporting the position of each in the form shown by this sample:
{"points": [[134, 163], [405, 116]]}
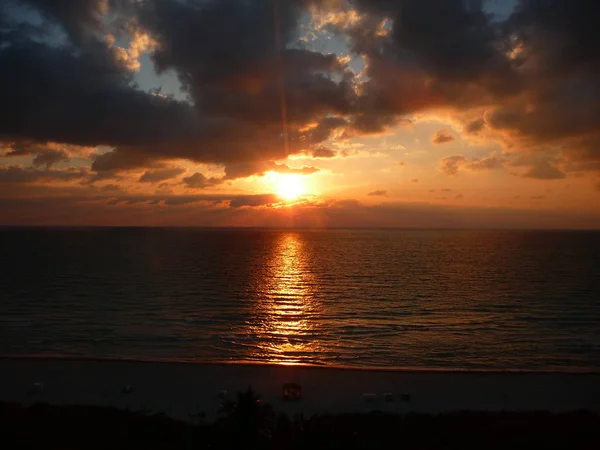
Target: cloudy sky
{"points": [[311, 113]]}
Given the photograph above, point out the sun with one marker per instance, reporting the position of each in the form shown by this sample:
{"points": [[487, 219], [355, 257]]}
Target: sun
{"points": [[289, 187]]}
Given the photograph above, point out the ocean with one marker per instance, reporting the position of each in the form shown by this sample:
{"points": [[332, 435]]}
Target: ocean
{"points": [[399, 299]]}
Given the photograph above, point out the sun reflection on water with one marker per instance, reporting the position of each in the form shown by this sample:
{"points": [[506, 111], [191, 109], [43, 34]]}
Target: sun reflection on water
{"points": [[283, 317]]}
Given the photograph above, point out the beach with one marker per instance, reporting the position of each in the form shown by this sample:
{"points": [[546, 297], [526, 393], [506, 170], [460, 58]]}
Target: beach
{"points": [[186, 391]]}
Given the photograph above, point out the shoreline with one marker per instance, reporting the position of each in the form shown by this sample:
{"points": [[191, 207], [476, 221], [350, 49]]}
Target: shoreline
{"points": [[184, 390], [250, 363]]}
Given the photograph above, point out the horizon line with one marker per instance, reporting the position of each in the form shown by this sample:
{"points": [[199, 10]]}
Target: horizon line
{"points": [[282, 228]]}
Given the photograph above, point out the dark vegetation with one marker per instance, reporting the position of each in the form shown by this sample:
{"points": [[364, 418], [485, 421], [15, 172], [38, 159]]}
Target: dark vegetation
{"points": [[250, 425]]}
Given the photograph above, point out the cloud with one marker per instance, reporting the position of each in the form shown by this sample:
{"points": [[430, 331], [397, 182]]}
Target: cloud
{"points": [[450, 165], [42, 155], [226, 59], [442, 137], [251, 97], [253, 200], [158, 175], [560, 102], [544, 171], [121, 161], [323, 152], [79, 19], [535, 74], [414, 180], [378, 193], [213, 210], [14, 174], [451, 58], [540, 165], [183, 200], [304, 170], [199, 181], [111, 188], [475, 126], [96, 104], [246, 169], [491, 162], [50, 157]]}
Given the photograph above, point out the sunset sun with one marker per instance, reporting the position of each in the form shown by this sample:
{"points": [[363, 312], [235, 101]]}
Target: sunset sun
{"points": [[289, 187]]}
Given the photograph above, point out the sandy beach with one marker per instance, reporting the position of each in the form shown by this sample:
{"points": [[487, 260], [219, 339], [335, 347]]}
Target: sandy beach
{"points": [[183, 390]]}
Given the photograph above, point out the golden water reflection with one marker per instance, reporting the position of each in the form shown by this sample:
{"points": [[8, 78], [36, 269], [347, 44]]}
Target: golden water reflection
{"points": [[283, 319]]}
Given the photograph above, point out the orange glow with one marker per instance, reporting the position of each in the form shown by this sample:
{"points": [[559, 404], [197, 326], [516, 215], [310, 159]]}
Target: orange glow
{"points": [[284, 317]]}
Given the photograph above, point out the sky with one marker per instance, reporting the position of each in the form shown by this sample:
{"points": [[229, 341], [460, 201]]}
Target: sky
{"points": [[300, 113]]}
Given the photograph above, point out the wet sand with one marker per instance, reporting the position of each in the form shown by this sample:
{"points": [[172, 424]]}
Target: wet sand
{"points": [[183, 390]]}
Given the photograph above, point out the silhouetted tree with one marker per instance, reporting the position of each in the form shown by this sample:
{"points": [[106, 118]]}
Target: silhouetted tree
{"points": [[251, 423]]}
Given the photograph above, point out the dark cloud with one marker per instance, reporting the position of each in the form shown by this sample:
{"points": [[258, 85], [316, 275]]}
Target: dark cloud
{"points": [[182, 200], [209, 211], [242, 81], [208, 42], [199, 181], [451, 165], [252, 99], [414, 180], [560, 34], [539, 165], [475, 126], [226, 55], [452, 39], [116, 161], [236, 201], [111, 188], [537, 73], [50, 157], [378, 193], [557, 57], [491, 162], [158, 175], [82, 96], [77, 18], [543, 170], [14, 174], [196, 181], [438, 54], [325, 128], [230, 61], [441, 137], [372, 122], [323, 152], [42, 156], [242, 170], [253, 200]]}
